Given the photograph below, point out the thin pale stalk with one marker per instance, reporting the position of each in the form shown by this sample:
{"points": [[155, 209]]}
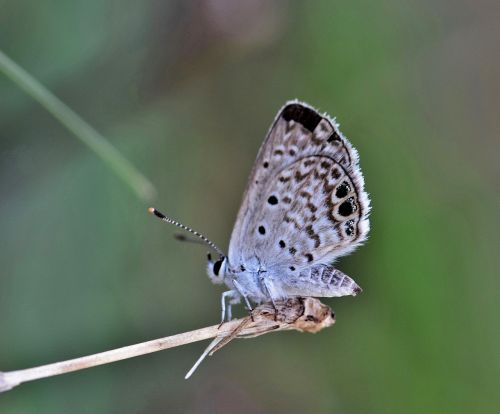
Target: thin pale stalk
{"points": [[301, 314], [8, 380]]}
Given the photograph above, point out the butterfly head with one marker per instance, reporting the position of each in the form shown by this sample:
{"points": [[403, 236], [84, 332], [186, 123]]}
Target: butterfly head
{"points": [[217, 269]]}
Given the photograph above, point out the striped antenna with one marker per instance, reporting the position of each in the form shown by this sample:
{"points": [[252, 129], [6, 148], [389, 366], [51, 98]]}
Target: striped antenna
{"points": [[168, 220]]}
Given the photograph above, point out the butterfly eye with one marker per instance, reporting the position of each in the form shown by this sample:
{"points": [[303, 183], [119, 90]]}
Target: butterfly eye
{"points": [[217, 266]]}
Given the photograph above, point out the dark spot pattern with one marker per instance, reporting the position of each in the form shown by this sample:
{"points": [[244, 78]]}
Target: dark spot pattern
{"points": [[342, 190], [300, 177], [307, 117], [289, 219], [282, 244], [320, 176], [316, 140], [334, 137], [292, 268], [312, 207], [313, 235], [262, 230], [292, 250], [327, 188], [309, 257], [347, 207], [349, 227], [266, 164], [292, 152], [272, 200], [335, 173]]}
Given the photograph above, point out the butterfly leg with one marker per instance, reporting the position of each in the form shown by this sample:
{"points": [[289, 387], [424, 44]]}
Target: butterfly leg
{"points": [[244, 296], [268, 287], [231, 295]]}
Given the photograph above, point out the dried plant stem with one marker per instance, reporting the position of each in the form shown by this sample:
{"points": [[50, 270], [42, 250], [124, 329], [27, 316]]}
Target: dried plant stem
{"points": [[305, 315], [81, 129], [11, 379]]}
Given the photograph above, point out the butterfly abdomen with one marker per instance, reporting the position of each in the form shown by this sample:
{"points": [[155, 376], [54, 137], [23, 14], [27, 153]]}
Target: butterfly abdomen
{"points": [[322, 281]]}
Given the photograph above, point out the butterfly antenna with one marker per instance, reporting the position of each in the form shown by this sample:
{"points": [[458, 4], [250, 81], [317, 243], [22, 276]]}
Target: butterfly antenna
{"points": [[168, 220], [183, 238]]}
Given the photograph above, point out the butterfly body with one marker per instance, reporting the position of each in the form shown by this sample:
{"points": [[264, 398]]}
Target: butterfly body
{"points": [[304, 206]]}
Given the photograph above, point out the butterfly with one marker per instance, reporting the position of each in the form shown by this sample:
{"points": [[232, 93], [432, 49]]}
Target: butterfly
{"points": [[304, 206]]}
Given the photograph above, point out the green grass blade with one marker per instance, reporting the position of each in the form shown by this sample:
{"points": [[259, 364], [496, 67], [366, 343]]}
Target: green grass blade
{"points": [[141, 186]]}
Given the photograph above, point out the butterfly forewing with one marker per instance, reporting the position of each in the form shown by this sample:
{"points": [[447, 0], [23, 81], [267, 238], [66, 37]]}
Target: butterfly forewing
{"points": [[305, 203]]}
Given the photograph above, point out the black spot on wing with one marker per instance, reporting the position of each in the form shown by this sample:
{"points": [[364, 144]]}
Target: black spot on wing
{"points": [[347, 207], [313, 235], [307, 117], [335, 173], [349, 227], [312, 207], [342, 190], [334, 137], [272, 200], [284, 179]]}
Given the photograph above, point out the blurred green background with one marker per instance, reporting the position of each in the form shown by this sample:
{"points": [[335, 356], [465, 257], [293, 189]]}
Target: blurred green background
{"points": [[187, 90]]}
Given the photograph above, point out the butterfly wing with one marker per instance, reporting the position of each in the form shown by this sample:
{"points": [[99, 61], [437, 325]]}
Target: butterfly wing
{"points": [[305, 202]]}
